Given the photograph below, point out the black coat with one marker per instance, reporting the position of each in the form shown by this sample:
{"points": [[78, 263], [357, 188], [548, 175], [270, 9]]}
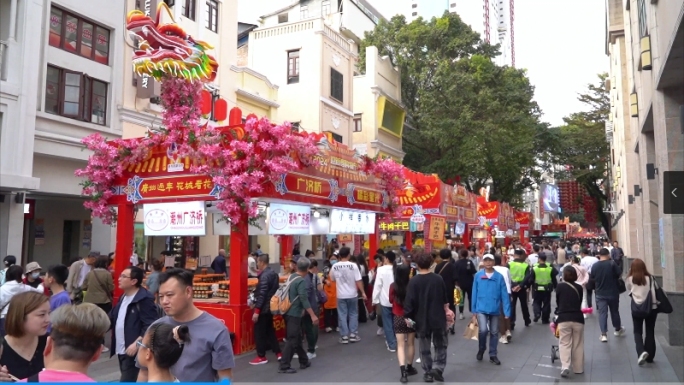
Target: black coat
{"points": [[140, 314], [266, 287]]}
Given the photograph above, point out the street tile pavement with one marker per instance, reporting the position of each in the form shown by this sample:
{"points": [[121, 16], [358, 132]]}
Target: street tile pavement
{"points": [[527, 359]]}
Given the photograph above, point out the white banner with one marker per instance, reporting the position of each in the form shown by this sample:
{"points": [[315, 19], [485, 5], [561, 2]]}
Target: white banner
{"points": [[289, 219], [351, 222], [175, 219]]}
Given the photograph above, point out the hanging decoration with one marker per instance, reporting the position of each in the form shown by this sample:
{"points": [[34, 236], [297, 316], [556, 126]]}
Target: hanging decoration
{"points": [[391, 176]]}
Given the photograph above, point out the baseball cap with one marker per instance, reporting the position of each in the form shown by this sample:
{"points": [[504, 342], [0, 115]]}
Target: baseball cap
{"points": [[487, 256], [32, 266]]}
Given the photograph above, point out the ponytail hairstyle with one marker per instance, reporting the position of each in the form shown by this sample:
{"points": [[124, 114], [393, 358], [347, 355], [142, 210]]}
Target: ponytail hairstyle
{"points": [[167, 342]]}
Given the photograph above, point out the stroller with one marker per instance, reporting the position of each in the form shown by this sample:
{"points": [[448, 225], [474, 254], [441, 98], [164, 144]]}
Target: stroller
{"points": [[556, 333]]}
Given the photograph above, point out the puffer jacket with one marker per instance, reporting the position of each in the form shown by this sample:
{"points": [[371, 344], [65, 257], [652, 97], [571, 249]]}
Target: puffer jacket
{"points": [[265, 289]]}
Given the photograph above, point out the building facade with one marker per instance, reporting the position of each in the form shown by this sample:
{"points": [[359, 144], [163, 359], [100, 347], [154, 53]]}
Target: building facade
{"points": [[645, 43], [379, 113], [62, 80]]}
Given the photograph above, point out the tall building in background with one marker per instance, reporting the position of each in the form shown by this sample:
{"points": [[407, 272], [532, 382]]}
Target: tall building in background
{"points": [[492, 19]]}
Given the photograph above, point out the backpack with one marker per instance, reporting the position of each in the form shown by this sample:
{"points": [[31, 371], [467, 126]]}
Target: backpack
{"points": [[644, 309], [280, 302]]}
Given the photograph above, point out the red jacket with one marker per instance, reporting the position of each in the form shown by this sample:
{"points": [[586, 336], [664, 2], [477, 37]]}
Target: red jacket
{"points": [[35, 284]]}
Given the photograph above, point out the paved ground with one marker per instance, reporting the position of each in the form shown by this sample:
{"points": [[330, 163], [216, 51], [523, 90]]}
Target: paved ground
{"points": [[525, 360]]}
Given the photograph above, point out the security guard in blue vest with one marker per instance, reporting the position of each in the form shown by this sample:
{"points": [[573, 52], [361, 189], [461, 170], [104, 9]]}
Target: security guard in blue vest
{"points": [[543, 280], [520, 270]]}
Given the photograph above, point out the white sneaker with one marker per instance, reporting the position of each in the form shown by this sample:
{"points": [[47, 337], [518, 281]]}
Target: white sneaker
{"points": [[381, 332], [105, 349], [461, 316], [642, 358], [328, 330], [295, 355], [565, 372], [390, 349], [311, 355], [508, 336], [604, 338], [418, 360], [620, 333]]}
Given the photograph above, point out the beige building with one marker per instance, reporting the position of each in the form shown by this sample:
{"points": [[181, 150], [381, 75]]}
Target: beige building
{"points": [[379, 113], [645, 42]]}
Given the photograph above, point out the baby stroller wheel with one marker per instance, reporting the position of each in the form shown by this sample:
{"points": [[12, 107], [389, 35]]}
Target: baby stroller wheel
{"points": [[554, 353]]}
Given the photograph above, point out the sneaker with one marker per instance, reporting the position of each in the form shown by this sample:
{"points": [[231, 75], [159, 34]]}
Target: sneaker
{"points": [[494, 360], [642, 358], [311, 355], [428, 378], [480, 354], [304, 366], [437, 375], [328, 330], [354, 338], [509, 336], [604, 338], [337, 329], [105, 349], [565, 372], [390, 349], [279, 356], [620, 333], [461, 316], [259, 361], [503, 340], [344, 340], [287, 371], [418, 360], [295, 355], [381, 332]]}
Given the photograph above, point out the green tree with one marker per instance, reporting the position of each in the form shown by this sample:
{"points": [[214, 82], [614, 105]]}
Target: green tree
{"points": [[470, 117], [582, 147]]}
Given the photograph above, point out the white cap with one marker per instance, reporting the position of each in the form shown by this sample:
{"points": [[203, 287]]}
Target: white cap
{"points": [[487, 256]]}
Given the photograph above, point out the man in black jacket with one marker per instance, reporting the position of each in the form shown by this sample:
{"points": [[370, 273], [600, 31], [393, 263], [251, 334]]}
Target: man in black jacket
{"points": [[264, 333]]}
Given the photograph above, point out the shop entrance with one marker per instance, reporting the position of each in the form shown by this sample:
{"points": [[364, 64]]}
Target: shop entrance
{"points": [[71, 234]]}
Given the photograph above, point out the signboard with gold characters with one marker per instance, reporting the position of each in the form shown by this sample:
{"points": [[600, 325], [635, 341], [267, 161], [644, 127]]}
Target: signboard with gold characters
{"points": [[437, 227]]}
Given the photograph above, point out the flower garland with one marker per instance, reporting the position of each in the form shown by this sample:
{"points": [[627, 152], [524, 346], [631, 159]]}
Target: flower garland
{"points": [[391, 175]]}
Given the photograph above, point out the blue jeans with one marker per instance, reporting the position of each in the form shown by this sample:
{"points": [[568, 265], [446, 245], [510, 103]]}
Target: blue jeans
{"points": [[348, 316], [388, 327], [604, 304], [488, 324]]}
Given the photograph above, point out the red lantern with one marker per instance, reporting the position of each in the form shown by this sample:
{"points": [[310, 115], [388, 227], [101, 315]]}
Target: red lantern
{"points": [[220, 110], [235, 116], [205, 103]]}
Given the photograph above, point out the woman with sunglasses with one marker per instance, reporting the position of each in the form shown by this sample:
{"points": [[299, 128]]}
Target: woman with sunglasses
{"points": [[160, 349]]}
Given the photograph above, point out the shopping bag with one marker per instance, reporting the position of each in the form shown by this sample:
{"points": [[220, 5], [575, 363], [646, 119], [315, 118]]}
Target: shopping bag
{"points": [[458, 296], [472, 331]]}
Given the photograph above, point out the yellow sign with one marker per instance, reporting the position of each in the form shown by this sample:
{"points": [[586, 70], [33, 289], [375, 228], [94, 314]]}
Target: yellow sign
{"points": [[436, 230], [395, 226]]}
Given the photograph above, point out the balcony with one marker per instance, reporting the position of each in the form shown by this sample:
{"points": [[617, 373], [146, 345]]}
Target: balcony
{"points": [[315, 25]]}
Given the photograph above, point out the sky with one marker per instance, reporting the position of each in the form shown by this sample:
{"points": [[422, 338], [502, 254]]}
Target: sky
{"points": [[561, 43]]}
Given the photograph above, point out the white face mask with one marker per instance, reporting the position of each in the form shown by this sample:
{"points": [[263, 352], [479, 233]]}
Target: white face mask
{"points": [[35, 275]]}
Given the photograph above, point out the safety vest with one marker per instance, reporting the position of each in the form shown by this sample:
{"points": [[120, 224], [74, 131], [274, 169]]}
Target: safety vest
{"points": [[518, 270], [542, 277]]}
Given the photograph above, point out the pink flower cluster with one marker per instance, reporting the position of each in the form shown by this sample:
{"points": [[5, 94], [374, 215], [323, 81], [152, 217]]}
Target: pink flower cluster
{"points": [[391, 175], [241, 167]]}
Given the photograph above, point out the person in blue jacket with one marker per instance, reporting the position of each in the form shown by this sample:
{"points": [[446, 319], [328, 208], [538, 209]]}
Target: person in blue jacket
{"points": [[489, 296]]}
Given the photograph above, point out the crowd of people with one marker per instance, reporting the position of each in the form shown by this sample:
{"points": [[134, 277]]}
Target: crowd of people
{"points": [[53, 325]]}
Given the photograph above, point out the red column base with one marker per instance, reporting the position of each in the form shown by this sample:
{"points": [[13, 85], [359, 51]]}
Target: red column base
{"points": [[238, 320]]}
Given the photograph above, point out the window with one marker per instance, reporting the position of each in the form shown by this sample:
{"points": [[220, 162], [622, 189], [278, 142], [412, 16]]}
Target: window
{"points": [[357, 123], [336, 137], [293, 67], [188, 9], [414, 5], [643, 25], [325, 7], [75, 95], [414, 14], [304, 12], [212, 15], [282, 18], [453, 5], [79, 36], [336, 85]]}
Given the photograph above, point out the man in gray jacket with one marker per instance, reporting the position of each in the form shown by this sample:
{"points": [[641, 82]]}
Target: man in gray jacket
{"points": [[77, 273]]}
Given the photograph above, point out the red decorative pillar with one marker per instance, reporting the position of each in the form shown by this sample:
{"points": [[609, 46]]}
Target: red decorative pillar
{"points": [[124, 242], [241, 315], [408, 240], [372, 247], [286, 245], [466, 236]]}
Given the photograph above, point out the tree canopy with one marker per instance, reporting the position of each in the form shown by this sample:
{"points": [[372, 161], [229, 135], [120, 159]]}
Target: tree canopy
{"points": [[470, 118], [582, 147]]}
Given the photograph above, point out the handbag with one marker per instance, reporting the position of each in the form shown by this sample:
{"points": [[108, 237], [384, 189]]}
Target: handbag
{"points": [[621, 286], [642, 310], [320, 294], [664, 305]]}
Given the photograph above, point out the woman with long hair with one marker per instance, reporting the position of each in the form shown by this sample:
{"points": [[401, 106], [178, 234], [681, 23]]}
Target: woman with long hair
{"points": [[160, 349], [582, 278], [640, 284], [27, 323], [406, 336]]}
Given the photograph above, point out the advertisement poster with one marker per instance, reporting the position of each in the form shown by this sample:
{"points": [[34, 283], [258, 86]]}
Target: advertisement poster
{"points": [[175, 219], [289, 219], [350, 221], [39, 231], [436, 229]]}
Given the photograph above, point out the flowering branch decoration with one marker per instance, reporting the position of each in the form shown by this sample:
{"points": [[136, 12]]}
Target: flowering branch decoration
{"points": [[391, 176]]}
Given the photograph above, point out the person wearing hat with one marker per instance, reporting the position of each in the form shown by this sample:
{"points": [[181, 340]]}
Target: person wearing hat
{"points": [[33, 279], [542, 279], [490, 294], [9, 260]]}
